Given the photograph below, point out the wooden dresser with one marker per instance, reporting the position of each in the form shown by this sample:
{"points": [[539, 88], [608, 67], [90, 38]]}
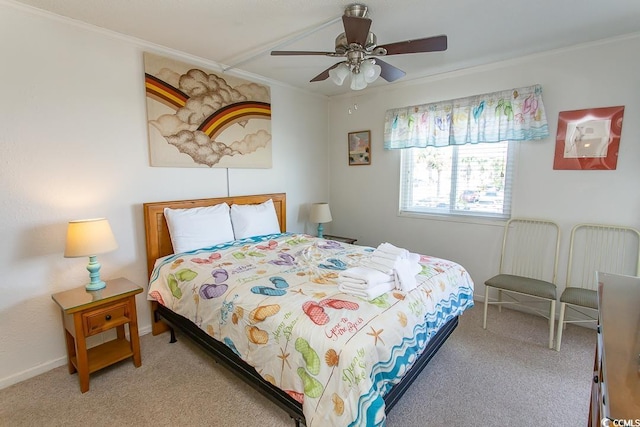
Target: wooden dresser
{"points": [[615, 394]]}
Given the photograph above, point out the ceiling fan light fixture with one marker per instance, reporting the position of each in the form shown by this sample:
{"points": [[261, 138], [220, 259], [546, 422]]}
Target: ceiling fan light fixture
{"points": [[339, 74], [357, 45]]}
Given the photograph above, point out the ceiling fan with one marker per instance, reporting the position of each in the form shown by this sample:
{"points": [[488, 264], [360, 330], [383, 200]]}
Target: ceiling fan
{"points": [[359, 46]]}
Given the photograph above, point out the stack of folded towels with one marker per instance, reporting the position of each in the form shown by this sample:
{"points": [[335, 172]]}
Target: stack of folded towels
{"points": [[365, 282], [388, 267]]}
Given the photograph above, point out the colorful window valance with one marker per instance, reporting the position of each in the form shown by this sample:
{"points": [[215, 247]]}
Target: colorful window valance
{"points": [[509, 115]]}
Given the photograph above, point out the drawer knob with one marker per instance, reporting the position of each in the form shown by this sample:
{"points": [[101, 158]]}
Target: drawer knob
{"points": [[107, 317], [595, 379]]}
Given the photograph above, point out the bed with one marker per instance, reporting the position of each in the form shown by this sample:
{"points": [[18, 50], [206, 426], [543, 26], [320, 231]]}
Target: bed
{"points": [[269, 309]]}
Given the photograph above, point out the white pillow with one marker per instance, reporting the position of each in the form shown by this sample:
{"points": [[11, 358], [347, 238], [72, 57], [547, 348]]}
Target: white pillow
{"points": [[196, 228], [254, 220]]}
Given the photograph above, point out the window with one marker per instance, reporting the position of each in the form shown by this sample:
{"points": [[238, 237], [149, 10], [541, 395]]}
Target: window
{"points": [[470, 179]]}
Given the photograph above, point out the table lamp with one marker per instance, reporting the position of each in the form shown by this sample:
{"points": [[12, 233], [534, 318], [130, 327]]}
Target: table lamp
{"points": [[320, 213], [90, 237]]}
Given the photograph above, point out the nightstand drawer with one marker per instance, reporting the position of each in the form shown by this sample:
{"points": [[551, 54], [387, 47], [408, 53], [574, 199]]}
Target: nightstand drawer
{"points": [[105, 318]]}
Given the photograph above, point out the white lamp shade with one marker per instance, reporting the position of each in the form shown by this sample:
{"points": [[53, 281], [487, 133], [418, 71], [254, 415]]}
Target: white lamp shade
{"points": [[339, 73], [89, 237], [320, 213], [370, 70], [357, 81]]}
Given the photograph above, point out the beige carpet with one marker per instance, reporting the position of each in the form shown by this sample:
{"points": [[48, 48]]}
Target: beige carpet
{"points": [[501, 376]]}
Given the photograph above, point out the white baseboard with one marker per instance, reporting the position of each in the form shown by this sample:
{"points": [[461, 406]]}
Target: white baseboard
{"points": [[32, 372], [47, 366]]}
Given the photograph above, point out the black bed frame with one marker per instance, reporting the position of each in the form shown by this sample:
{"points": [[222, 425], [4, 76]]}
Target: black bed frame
{"points": [[223, 354]]}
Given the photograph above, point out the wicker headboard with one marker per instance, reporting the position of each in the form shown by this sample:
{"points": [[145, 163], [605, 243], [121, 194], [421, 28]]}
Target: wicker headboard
{"points": [[157, 233]]}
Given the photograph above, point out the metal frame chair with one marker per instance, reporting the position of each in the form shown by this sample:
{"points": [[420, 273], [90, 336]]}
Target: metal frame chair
{"points": [[595, 247], [528, 266]]}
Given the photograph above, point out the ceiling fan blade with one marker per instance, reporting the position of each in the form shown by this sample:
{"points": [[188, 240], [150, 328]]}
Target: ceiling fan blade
{"points": [[428, 44], [389, 72], [356, 29], [299, 52], [325, 74]]}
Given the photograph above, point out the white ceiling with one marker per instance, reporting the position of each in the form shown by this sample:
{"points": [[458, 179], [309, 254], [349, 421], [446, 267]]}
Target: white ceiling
{"points": [[231, 31]]}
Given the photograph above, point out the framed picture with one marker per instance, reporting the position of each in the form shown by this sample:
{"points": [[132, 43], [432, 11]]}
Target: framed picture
{"points": [[359, 148], [588, 139]]}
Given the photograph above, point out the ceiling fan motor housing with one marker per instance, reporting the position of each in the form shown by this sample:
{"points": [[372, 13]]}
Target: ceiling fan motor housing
{"points": [[356, 10], [342, 45]]}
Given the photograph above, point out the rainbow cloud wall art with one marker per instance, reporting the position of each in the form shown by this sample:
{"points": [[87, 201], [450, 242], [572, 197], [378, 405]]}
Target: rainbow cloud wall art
{"points": [[198, 118]]}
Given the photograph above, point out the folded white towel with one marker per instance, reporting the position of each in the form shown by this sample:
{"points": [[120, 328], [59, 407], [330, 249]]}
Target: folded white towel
{"points": [[352, 280], [385, 255], [385, 269], [370, 293], [367, 275], [359, 285], [393, 250], [384, 258], [406, 271], [388, 263]]}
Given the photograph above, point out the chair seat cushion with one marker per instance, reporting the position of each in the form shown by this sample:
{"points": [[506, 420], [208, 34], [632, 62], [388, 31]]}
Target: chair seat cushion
{"points": [[581, 297], [525, 285]]}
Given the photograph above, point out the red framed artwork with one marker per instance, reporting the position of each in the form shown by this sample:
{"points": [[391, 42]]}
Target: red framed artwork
{"points": [[588, 139]]}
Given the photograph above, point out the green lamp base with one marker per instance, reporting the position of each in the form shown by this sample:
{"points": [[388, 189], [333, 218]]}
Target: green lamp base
{"points": [[94, 273], [95, 286]]}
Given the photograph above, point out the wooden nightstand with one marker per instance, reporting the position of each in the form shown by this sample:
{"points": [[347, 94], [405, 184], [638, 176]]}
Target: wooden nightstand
{"points": [[89, 313], [340, 239]]}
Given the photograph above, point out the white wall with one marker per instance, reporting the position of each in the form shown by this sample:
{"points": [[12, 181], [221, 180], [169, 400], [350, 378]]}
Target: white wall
{"points": [[73, 144], [364, 199]]}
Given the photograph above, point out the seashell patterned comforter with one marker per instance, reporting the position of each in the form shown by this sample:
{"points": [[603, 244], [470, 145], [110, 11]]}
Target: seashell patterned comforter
{"points": [[274, 300]]}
